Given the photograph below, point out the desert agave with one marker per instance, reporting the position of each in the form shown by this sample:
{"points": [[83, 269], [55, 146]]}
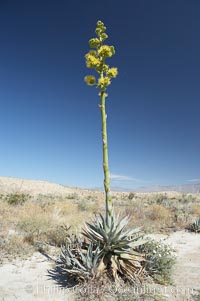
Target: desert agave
{"points": [[78, 263], [195, 226], [110, 247], [117, 247]]}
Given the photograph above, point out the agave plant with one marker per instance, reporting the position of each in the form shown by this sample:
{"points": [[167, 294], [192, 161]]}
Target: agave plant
{"points": [[78, 263], [110, 247], [107, 250], [117, 246], [195, 226]]}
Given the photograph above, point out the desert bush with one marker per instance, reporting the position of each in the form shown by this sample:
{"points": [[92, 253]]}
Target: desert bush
{"points": [[14, 246], [131, 195], [96, 207], [181, 216], [195, 209], [57, 236], [160, 259], [158, 212], [34, 228], [160, 199], [71, 215], [83, 205], [135, 209], [16, 198]]}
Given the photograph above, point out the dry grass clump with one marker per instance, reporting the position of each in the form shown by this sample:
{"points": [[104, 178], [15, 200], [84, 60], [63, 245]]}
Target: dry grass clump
{"points": [[14, 246], [158, 212], [195, 209]]}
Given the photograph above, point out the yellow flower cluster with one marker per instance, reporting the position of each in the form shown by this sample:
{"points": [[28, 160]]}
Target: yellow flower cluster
{"points": [[96, 58], [104, 82], [112, 72], [106, 51], [91, 61], [90, 80], [100, 30], [105, 68], [94, 43]]}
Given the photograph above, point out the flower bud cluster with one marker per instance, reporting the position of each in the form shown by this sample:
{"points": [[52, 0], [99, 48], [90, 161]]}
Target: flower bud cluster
{"points": [[96, 59]]}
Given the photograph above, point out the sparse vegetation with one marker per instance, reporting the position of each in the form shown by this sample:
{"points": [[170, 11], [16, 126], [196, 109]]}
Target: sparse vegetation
{"points": [[49, 214]]}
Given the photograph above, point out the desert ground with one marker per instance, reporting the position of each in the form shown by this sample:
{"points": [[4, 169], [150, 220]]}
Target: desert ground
{"points": [[30, 236]]}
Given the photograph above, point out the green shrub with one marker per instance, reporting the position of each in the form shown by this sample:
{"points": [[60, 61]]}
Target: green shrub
{"points": [[160, 199], [131, 195], [16, 198], [160, 259], [83, 205]]}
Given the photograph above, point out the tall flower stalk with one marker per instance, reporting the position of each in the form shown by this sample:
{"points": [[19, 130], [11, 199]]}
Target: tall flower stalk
{"points": [[95, 59]]}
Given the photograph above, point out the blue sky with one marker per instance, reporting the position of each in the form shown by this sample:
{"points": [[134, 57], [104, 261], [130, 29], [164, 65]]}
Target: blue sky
{"points": [[50, 125]]}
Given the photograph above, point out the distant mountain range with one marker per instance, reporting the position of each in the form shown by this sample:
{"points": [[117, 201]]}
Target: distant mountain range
{"points": [[187, 188], [12, 185]]}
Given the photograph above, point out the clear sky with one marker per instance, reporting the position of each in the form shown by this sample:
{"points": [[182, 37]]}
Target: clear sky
{"points": [[50, 125]]}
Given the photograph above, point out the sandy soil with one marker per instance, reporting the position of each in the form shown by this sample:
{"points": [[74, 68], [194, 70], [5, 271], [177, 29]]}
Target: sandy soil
{"points": [[28, 280]]}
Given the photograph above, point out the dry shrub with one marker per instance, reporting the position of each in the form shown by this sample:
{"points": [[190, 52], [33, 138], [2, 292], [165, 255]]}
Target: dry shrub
{"points": [[97, 206], [46, 223], [72, 215], [158, 212], [136, 210], [15, 247], [8, 214], [67, 207], [195, 209]]}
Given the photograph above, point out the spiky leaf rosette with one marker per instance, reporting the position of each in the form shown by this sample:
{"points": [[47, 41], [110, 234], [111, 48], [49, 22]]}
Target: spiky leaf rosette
{"points": [[79, 263], [195, 226], [117, 245]]}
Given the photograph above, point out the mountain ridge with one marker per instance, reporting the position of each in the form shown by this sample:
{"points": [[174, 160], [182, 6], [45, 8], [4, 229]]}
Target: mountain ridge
{"points": [[9, 184], [185, 188]]}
